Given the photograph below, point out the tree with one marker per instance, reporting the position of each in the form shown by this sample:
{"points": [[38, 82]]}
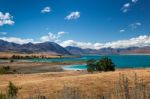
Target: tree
{"points": [[99, 66], [105, 64], [91, 65]]}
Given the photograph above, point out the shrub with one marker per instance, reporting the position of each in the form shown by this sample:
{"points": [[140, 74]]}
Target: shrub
{"points": [[11, 61], [5, 70], [2, 71], [12, 90]]}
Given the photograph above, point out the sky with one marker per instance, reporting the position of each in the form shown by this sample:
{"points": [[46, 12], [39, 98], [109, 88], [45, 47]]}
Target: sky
{"points": [[82, 23]]}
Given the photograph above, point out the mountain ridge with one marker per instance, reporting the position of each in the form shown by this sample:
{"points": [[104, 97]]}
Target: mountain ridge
{"points": [[56, 49], [106, 51], [49, 47]]}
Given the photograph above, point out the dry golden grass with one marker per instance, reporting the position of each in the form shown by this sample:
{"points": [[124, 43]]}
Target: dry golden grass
{"points": [[51, 83]]}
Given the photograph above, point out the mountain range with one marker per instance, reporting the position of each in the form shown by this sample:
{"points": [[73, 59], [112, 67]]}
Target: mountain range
{"points": [[55, 49], [106, 51], [46, 47]]}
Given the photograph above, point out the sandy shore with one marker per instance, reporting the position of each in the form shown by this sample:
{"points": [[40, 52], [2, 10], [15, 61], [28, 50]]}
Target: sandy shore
{"points": [[37, 67]]}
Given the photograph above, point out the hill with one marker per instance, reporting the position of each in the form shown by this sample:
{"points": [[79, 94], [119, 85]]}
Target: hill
{"points": [[46, 47]]}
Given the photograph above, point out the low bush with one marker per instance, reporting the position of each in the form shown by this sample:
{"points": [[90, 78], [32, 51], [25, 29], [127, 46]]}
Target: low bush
{"points": [[4, 70], [11, 61], [7, 70], [12, 90]]}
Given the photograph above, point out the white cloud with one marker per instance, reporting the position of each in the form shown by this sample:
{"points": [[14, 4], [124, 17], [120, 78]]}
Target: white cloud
{"points": [[61, 33], [135, 25], [17, 40], [134, 1], [3, 33], [46, 10], [73, 15], [83, 45], [122, 30], [6, 19], [49, 37], [140, 41], [126, 7], [132, 26], [52, 37]]}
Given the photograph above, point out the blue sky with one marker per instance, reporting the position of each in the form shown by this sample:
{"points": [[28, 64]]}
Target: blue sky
{"points": [[75, 22]]}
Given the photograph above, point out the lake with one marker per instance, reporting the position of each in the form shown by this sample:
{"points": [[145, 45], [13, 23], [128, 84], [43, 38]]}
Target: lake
{"points": [[121, 61]]}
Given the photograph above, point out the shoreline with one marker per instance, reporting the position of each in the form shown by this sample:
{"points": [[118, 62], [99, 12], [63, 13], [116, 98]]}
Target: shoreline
{"points": [[120, 69], [70, 67], [42, 67]]}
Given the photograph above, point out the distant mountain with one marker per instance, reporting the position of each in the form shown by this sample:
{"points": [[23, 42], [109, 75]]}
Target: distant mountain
{"points": [[80, 51], [46, 47], [7, 46], [105, 51], [75, 50], [55, 49]]}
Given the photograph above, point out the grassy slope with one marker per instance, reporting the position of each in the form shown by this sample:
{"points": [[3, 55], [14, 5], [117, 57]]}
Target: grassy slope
{"points": [[49, 83]]}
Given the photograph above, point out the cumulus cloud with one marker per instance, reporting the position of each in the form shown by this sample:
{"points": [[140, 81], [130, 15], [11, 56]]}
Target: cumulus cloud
{"points": [[17, 40], [52, 37], [46, 10], [6, 19], [83, 45], [49, 37], [135, 25], [140, 41], [73, 15], [126, 7]]}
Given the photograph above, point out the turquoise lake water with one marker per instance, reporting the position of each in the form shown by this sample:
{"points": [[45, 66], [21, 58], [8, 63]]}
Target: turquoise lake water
{"points": [[121, 61]]}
